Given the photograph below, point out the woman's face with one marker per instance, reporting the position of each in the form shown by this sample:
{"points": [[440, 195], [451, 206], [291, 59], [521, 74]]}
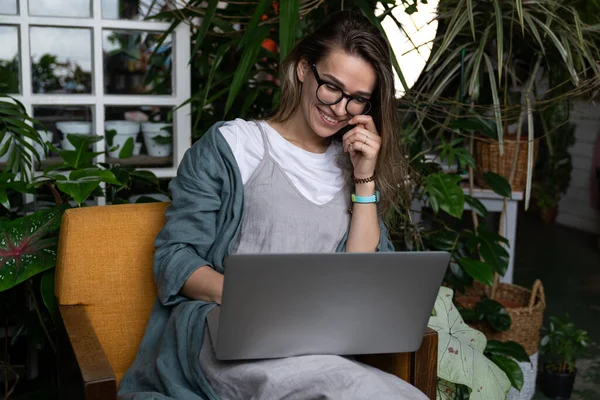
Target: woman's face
{"points": [[353, 75]]}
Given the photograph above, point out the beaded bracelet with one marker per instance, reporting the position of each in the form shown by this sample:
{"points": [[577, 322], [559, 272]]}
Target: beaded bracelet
{"points": [[365, 180]]}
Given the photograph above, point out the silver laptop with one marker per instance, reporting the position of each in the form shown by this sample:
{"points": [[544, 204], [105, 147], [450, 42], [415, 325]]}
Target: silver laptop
{"points": [[282, 305]]}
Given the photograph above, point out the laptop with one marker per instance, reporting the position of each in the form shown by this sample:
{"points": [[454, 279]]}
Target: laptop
{"points": [[283, 305]]}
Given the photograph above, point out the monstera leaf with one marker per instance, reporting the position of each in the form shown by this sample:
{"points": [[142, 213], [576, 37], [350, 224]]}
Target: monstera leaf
{"points": [[444, 192], [460, 354], [28, 246]]}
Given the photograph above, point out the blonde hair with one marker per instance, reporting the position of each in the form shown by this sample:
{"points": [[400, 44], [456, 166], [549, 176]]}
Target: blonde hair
{"points": [[354, 34]]}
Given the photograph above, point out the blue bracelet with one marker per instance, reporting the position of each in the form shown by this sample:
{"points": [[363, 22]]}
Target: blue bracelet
{"points": [[366, 199]]}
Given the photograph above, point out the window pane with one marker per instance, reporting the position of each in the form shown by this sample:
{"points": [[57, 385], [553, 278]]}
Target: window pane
{"points": [[59, 121], [61, 60], [8, 7], [9, 59], [150, 129], [135, 9], [128, 68], [60, 8]]}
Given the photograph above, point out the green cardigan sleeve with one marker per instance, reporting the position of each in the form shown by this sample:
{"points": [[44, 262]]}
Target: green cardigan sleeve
{"points": [[203, 217]]}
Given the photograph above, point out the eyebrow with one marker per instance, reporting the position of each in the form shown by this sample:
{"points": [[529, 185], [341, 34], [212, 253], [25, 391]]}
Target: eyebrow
{"points": [[340, 84]]}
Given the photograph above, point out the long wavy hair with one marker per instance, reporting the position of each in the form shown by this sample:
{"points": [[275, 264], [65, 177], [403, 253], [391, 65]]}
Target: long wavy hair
{"points": [[357, 36]]}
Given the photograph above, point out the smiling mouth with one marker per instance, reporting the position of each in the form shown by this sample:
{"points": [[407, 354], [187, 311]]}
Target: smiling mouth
{"points": [[327, 118]]}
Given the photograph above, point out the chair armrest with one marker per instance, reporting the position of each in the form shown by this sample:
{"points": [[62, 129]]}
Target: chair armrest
{"points": [[418, 368], [84, 370]]}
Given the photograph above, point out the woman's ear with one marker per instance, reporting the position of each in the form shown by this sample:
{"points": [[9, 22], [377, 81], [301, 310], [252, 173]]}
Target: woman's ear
{"points": [[301, 69]]}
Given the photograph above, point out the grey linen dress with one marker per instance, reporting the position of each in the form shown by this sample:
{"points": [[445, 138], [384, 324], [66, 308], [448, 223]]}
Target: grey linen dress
{"points": [[278, 218]]}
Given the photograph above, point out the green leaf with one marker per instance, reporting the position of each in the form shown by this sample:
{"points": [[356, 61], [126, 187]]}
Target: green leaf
{"points": [[478, 270], [499, 37], [446, 192], [520, 14], [496, 100], [476, 205], [110, 136], [288, 20], [104, 174], [511, 369], [471, 19], [495, 314], [127, 150], [4, 199], [460, 353], [47, 291], [507, 349], [256, 17], [80, 189], [28, 246], [475, 124], [492, 252], [441, 240], [211, 9], [498, 184], [248, 59], [162, 139], [147, 176]]}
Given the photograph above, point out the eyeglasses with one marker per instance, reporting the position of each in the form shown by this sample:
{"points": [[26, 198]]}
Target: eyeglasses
{"points": [[330, 94]]}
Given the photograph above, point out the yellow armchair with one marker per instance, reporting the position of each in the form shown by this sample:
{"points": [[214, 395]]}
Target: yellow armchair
{"points": [[105, 289]]}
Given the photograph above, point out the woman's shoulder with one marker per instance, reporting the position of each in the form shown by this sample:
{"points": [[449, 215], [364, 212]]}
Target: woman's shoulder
{"points": [[241, 135]]}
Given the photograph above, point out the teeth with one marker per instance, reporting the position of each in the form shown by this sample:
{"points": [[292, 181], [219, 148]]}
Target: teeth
{"points": [[333, 121]]}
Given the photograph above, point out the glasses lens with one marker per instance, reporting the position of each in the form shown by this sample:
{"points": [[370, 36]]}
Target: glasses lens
{"points": [[358, 106], [329, 94]]}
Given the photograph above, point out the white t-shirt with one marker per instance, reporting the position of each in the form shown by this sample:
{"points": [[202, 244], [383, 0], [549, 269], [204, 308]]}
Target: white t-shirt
{"points": [[316, 176]]}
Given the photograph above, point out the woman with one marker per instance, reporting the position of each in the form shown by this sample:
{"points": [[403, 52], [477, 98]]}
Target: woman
{"points": [[280, 185]]}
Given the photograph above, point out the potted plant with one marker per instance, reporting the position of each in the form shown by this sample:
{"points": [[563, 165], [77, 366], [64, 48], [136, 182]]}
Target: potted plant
{"points": [[562, 344], [121, 138], [72, 127], [158, 138]]}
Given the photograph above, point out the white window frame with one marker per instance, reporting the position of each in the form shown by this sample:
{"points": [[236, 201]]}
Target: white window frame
{"points": [[180, 75]]}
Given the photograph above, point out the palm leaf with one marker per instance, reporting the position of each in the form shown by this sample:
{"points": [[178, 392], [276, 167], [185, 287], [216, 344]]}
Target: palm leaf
{"points": [[499, 37], [471, 18], [497, 111], [520, 14], [288, 20], [211, 9], [247, 61], [478, 56]]}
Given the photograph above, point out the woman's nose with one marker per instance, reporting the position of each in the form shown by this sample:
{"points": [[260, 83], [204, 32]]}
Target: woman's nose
{"points": [[339, 109]]}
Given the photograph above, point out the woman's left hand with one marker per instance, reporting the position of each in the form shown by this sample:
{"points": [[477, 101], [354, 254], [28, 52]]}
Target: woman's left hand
{"points": [[363, 143]]}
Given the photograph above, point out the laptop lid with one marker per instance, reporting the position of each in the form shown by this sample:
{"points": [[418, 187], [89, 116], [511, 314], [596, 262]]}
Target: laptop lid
{"points": [[282, 305]]}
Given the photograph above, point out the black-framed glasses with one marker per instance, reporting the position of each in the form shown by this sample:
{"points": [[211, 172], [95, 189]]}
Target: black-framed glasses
{"points": [[330, 94]]}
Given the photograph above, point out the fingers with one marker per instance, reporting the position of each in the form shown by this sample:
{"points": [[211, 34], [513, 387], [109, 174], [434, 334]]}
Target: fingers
{"points": [[359, 135], [365, 120], [363, 144]]}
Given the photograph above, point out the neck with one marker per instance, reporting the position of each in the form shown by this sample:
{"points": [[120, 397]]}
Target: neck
{"points": [[298, 132]]}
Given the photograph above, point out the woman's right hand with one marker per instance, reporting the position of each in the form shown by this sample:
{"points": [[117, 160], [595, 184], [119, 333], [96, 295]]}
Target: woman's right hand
{"points": [[204, 284]]}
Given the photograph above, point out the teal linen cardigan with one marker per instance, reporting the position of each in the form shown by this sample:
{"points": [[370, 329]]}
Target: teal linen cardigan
{"points": [[202, 223]]}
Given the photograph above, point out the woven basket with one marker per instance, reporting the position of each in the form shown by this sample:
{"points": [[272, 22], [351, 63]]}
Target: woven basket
{"points": [[487, 158], [526, 318]]}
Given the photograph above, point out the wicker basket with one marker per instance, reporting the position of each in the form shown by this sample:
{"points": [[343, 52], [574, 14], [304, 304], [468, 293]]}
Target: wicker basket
{"points": [[487, 158], [526, 318]]}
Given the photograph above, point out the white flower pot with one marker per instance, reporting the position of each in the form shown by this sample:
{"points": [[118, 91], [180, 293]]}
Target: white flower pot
{"points": [[137, 148], [125, 130], [46, 137], [5, 157], [150, 131], [66, 127]]}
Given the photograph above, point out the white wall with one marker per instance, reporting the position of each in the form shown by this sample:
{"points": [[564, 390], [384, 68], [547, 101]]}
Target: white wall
{"points": [[575, 209]]}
